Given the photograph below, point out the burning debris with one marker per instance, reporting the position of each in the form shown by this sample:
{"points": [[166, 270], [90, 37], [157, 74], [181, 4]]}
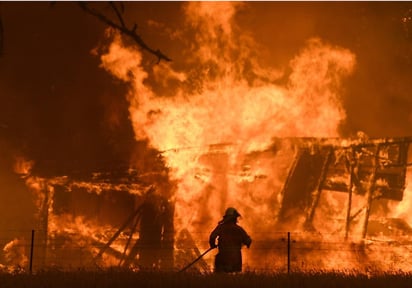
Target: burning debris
{"points": [[123, 219], [15, 254], [82, 218], [375, 169]]}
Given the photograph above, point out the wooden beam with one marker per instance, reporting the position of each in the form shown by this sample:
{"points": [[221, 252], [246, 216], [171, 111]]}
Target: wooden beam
{"points": [[318, 188], [370, 191], [115, 235], [352, 164]]}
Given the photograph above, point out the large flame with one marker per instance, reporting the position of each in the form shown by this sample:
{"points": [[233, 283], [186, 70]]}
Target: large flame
{"points": [[217, 121], [226, 97]]}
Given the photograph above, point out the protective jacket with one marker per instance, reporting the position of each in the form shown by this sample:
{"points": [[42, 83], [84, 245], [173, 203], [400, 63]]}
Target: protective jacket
{"points": [[230, 238]]}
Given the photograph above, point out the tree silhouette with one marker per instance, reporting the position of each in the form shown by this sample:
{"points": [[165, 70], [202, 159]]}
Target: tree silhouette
{"points": [[118, 24]]}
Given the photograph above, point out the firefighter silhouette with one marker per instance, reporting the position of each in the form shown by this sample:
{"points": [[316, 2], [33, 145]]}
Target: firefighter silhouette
{"points": [[230, 237]]}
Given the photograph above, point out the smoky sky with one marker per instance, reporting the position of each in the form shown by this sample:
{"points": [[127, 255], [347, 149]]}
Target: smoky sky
{"points": [[60, 109]]}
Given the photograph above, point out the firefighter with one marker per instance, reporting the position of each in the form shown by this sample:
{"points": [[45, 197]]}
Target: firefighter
{"points": [[230, 237]]}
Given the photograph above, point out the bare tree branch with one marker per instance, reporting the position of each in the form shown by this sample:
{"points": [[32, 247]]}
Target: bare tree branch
{"points": [[123, 29], [118, 14]]}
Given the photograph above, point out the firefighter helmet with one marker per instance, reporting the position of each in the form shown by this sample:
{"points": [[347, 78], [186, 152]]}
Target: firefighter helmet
{"points": [[231, 212]]}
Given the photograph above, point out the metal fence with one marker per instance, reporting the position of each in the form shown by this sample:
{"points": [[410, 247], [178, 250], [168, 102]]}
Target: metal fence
{"points": [[283, 252]]}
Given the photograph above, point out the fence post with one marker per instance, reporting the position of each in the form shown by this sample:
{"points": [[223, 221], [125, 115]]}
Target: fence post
{"points": [[288, 252], [31, 251]]}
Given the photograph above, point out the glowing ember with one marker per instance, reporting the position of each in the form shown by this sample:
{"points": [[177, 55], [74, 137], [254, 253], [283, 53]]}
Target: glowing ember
{"points": [[22, 166], [15, 253]]}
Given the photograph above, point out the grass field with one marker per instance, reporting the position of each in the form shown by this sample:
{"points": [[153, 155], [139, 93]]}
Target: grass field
{"points": [[125, 279]]}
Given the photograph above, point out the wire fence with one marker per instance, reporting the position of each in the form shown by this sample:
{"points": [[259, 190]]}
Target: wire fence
{"points": [[282, 252]]}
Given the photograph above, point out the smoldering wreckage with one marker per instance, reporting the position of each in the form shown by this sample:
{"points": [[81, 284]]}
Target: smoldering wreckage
{"points": [[125, 218]]}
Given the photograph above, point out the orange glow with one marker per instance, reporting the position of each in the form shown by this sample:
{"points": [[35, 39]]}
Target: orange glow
{"points": [[22, 166], [206, 133], [15, 254], [226, 126], [401, 209]]}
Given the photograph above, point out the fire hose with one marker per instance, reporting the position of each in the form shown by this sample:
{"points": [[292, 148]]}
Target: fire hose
{"points": [[197, 259]]}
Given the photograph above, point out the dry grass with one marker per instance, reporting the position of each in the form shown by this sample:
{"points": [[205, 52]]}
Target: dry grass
{"points": [[125, 278]]}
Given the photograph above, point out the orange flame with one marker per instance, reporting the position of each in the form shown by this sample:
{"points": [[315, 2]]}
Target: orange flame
{"points": [[401, 209], [22, 166], [227, 97], [216, 130], [15, 253]]}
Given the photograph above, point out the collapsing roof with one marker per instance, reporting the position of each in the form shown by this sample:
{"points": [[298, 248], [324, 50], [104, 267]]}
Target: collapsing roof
{"points": [[373, 168]]}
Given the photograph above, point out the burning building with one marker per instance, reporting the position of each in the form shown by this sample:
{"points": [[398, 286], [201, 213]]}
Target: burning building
{"points": [[126, 218], [228, 131]]}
